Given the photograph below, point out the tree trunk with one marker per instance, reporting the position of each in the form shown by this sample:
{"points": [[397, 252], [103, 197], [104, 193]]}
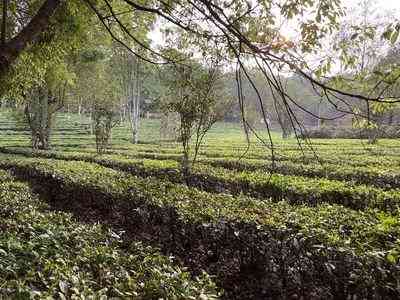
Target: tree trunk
{"points": [[134, 96], [285, 134], [39, 117], [4, 23], [185, 164], [11, 50], [391, 113], [372, 135], [102, 119]]}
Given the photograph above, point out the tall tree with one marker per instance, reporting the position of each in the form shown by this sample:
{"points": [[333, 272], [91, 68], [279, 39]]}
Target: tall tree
{"points": [[129, 70]]}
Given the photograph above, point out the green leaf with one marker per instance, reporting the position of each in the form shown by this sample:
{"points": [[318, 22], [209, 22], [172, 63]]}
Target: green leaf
{"points": [[387, 34], [391, 257], [394, 37]]}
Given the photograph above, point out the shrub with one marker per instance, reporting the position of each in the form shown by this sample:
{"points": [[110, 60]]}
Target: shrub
{"points": [[385, 131], [46, 254], [257, 249]]}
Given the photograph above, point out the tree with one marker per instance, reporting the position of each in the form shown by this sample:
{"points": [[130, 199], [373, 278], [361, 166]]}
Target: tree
{"points": [[41, 104], [104, 119], [360, 47], [195, 95], [129, 71], [29, 35], [40, 77], [98, 88]]}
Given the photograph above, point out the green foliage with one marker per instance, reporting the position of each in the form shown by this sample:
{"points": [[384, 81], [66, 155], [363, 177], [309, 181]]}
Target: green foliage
{"points": [[391, 32], [332, 235], [206, 207], [335, 227], [47, 62], [253, 179], [196, 95], [104, 119], [48, 254]]}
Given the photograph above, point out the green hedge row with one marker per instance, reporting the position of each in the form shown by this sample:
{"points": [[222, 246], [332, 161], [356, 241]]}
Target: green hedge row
{"points": [[385, 178], [48, 255], [377, 159], [259, 183], [380, 173], [360, 156], [342, 159], [297, 189], [371, 171], [257, 249]]}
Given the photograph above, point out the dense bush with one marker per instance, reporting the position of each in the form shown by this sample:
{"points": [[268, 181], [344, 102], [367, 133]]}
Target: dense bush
{"points": [[46, 254], [257, 249], [390, 132], [296, 189], [375, 176], [263, 184]]}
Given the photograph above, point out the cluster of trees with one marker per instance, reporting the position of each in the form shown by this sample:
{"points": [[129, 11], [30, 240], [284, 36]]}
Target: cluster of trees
{"points": [[86, 69], [97, 57]]}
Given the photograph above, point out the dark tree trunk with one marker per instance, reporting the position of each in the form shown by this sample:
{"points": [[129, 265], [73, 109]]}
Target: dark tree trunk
{"points": [[4, 23], [10, 51]]}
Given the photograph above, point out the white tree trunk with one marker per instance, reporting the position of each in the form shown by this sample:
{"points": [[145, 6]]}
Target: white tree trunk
{"points": [[134, 96]]}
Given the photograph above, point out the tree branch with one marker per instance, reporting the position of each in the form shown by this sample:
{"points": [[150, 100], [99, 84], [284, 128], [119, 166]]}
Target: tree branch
{"points": [[28, 35]]}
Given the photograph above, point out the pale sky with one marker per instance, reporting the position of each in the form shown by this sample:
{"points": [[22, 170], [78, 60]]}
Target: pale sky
{"points": [[390, 4], [291, 31]]}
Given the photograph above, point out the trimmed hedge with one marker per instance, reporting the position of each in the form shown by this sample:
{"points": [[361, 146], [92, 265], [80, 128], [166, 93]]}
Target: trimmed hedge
{"points": [[385, 132], [257, 249], [259, 184], [383, 178], [46, 254], [296, 189]]}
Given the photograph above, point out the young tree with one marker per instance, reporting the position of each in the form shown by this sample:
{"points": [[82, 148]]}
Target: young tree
{"points": [[42, 103], [195, 95], [128, 69], [40, 88], [101, 91], [104, 119]]}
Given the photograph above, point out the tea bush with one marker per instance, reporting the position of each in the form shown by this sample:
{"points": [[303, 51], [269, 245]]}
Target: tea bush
{"points": [[281, 250], [45, 254]]}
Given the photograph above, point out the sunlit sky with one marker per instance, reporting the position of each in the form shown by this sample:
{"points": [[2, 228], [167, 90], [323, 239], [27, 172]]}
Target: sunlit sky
{"points": [[390, 4], [290, 30]]}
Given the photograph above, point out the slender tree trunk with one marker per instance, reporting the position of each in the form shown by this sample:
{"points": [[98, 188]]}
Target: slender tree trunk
{"points": [[186, 163], [122, 112], [391, 117], [134, 98], [92, 115], [137, 105]]}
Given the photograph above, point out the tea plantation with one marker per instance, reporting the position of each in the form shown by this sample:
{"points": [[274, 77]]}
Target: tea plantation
{"points": [[319, 222]]}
